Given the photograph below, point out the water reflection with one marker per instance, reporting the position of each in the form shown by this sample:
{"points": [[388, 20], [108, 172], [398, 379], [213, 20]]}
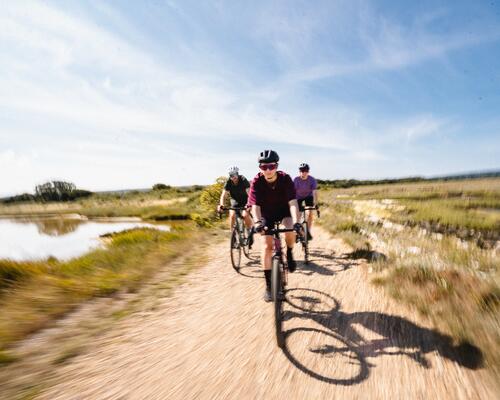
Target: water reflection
{"points": [[56, 226], [63, 238]]}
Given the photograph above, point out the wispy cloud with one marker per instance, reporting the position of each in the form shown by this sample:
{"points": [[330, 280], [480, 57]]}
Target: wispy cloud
{"points": [[98, 85]]}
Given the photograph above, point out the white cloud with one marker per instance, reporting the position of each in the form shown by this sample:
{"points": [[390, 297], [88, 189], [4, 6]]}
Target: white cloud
{"points": [[123, 108]]}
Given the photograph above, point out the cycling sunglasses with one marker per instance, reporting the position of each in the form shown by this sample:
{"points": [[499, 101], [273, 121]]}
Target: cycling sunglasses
{"points": [[270, 167], [304, 169]]}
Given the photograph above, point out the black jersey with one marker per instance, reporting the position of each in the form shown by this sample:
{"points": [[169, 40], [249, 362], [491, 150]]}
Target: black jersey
{"points": [[238, 192]]}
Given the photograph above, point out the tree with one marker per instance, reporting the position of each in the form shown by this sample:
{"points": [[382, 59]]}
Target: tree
{"points": [[59, 191], [161, 186]]}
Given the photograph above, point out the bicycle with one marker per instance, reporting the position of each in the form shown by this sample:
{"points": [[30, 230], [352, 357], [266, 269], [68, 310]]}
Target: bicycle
{"points": [[304, 239], [239, 238], [279, 272]]}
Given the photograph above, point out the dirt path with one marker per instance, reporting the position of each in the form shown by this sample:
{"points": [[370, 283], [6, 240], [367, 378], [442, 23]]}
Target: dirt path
{"points": [[214, 339]]}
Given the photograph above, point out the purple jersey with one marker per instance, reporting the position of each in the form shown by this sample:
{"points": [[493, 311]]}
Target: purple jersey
{"points": [[304, 187]]}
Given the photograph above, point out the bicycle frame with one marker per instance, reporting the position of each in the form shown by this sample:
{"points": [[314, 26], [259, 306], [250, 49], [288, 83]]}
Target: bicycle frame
{"points": [[278, 250]]}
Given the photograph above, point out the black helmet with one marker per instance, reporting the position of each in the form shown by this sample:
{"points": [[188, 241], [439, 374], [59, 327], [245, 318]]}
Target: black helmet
{"points": [[268, 156], [304, 167]]}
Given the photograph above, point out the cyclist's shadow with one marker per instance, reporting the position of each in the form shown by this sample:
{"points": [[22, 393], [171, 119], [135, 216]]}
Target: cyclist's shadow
{"points": [[343, 342], [251, 269], [333, 265]]}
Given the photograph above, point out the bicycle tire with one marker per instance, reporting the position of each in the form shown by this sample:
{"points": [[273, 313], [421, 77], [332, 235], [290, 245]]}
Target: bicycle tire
{"points": [[305, 243], [277, 295], [235, 250], [244, 240]]}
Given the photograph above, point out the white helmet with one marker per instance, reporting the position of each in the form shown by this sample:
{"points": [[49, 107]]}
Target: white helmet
{"points": [[233, 171]]}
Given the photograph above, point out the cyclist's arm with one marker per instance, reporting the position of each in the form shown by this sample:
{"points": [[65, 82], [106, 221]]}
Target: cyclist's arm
{"points": [[257, 215], [223, 197], [294, 210], [315, 197]]}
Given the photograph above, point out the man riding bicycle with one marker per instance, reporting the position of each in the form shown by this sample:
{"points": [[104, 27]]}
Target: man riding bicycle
{"points": [[307, 193], [237, 187], [272, 197]]}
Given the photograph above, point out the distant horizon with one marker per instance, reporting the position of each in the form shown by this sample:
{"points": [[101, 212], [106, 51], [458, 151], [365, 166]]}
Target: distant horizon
{"points": [[474, 174]]}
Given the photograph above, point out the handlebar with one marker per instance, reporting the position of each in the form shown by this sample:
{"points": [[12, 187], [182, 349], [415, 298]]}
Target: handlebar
{"points": [[233, 208]]}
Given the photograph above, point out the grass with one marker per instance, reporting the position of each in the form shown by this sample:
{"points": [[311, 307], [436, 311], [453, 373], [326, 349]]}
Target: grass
{"points": [[469, 208], [453, 282], [32, 294], [153, 205]]}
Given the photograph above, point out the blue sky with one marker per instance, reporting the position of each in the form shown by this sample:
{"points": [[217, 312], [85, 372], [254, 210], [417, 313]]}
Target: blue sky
{"points": [[127, 94]]}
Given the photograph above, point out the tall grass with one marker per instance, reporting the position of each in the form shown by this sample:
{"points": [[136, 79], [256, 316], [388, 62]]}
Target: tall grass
{"points": [[453, 282], [34, 293]]}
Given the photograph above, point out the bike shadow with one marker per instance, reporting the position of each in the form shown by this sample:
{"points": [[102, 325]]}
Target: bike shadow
{"points": [[251, 269], [343, 338], [333, 266]]}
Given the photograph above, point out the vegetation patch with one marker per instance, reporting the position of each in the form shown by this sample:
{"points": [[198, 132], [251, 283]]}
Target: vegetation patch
{"points": [[34, 293], [437, 239]]}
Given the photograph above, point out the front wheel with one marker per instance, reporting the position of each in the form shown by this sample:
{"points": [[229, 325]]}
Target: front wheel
{"points": [[277, 295], [235, 250], [245, 237], [305, 242]]}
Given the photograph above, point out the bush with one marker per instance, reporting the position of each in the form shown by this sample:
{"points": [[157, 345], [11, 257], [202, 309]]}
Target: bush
{"points": [[209, 198], [19, 198], [161, 186]]}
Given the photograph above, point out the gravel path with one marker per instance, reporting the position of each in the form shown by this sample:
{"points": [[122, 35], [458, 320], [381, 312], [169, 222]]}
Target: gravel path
{"points": [[213, 339]]}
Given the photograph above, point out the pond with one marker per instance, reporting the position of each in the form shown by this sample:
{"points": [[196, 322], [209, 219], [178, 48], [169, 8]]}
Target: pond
{"points": [[63, 238]]}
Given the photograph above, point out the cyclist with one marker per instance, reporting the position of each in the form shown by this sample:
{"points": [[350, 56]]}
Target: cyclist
{"points": [[272, 197], [307, 193], [237, 187]]}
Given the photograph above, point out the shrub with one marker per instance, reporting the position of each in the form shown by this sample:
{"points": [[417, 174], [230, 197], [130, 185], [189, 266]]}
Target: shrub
{"points": [[210, 196], [161, 186]]}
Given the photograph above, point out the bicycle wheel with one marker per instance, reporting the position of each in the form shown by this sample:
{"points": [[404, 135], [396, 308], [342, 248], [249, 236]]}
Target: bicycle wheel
{"points": [[305, 243], [235, 250], [277, 294], [244, 233]]}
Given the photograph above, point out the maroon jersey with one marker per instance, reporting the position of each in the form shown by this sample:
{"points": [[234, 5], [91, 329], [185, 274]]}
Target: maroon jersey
{"points": [[273, 197]]}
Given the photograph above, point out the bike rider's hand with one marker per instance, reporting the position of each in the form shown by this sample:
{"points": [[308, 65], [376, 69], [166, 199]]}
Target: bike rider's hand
{"points": [[297, 227], [258, 227], [220, 208]]}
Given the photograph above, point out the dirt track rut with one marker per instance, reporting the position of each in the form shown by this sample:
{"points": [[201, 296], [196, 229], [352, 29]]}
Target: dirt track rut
{"points": [[214, 339]]}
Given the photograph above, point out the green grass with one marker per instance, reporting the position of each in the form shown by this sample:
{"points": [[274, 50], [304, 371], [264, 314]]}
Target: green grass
{"points": [[467, 206], [453, 282], [34, 293]]}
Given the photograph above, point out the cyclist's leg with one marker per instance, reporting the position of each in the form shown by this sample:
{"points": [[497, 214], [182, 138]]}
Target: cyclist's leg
{"points": [[248, 219], [287, 222], [232, 214], [290, 237], [232, 218], [266, 259], [309, 202]]}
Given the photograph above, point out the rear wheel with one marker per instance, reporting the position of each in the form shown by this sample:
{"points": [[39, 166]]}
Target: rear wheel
{"points": [[235, 250], [277, 295]]}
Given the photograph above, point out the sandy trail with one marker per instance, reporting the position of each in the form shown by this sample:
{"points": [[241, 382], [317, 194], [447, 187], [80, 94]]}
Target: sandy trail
{"points": [[214, 339]]}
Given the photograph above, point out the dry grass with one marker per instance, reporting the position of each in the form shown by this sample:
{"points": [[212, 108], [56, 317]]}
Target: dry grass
{"points": [[461, 207], [32, 294], [453, 282], [153, 205]]}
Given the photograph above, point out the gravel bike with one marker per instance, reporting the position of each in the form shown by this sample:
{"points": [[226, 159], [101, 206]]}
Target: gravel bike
{"points": [[279, 272]]}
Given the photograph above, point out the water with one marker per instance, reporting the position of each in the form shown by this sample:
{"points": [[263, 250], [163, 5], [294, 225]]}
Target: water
{"points": [[63, 238]]}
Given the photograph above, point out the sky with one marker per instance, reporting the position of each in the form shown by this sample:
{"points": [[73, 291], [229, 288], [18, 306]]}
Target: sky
{"points": [[117, 94]]}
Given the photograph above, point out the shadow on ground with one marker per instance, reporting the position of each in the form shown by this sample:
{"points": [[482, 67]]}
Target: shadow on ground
{"points": [[339, 340]]}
